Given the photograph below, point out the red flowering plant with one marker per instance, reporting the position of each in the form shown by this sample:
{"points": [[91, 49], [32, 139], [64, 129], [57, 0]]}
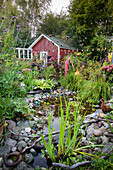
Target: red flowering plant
{"points": [[108, 70]]}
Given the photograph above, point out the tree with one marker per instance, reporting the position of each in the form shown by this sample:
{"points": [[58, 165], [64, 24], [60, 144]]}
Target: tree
{"points": [[57, 25], [91, 18]]}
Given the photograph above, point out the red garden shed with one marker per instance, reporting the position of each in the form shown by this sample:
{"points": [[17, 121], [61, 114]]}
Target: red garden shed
{"points": [[49, 46]]}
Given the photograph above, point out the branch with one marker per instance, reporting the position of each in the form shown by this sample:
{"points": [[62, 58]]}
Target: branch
{"points": [[111, 121], [73, 166]]}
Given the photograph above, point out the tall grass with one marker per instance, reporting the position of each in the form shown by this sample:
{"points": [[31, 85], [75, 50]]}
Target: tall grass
{"points": [[67, 142]]}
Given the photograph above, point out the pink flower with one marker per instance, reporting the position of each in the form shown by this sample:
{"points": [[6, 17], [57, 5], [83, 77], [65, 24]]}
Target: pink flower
{"points": [[104, 68], [24, 69], [106, 59], [30, 69]]}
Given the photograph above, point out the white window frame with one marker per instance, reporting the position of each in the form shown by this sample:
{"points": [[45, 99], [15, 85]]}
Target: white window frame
{"points": [[43, 55]]}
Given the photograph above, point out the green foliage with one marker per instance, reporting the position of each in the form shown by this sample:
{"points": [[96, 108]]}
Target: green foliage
{"points": [[44, 84], [91, 83], [67, 143], [91, 18], [102, 163], [49, 146], [107, 119]]}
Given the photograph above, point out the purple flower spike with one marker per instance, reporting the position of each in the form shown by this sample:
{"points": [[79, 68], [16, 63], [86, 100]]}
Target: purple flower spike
{"points": [[17, 26], [52, 106], [19, 29], [50, 35], [57, 41], [20, 40], [61, 45], [13, 17], [11, 20], [19, 72], [5, 30], [67, 37], [20, 24], [25, 77]]}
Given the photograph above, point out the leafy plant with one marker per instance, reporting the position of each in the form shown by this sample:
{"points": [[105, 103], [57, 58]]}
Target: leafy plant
{"points": [[49, 146], [44, 84], [67, 142], [107, 119]]}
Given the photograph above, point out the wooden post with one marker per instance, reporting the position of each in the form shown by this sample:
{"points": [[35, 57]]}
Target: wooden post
{"points": [[31, 54], [27, 54], [18, 53], [23, 53], [58, 55]]}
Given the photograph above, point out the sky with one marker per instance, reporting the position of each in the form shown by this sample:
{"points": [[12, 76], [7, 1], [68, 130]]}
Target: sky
{"points": [[57, 5]]}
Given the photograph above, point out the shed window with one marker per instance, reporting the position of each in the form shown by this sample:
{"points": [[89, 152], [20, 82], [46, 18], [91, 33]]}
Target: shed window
{"points": [[43, 56]]}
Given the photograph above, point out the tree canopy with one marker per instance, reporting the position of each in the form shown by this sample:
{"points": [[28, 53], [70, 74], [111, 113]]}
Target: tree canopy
{"points": [[91, 18]]}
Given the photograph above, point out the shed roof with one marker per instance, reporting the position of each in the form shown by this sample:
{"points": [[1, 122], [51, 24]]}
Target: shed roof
{"points": [[60, 43], [54, 40]]}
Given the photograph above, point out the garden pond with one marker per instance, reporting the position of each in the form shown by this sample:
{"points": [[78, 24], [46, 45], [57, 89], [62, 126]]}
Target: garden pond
{"points": [[29, 129]]}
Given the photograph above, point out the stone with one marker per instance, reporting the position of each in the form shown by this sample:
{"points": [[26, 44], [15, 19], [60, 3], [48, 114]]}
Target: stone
{"points": [[101, 115], [103, 129], [31, 158], [95, 114], [11, 124], [14, 137], [23, 124], [97, 132], [26, 158], [107, 148], [104, 140], [98, 150], [26, 139], [31, 123], [35, 119], [97, 106], [39, 161], [70, 99], [21, 144], [32, 150], [14, 149], [5, 150], [10, 142], [1, 161], [99, 140], [28, 129], [106, 125], [5, 167], [90, 132], [22, 166], [21, 138]]}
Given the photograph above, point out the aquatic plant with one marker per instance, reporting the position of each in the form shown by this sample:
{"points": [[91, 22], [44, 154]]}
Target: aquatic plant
{"points": [[49, 146], [69, 140]]}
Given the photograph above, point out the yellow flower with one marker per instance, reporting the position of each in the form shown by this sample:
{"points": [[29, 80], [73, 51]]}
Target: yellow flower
{"points": [[77, 72]]}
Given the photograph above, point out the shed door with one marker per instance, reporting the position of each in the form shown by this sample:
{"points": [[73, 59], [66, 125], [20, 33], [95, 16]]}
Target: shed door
{"points": [[43, 56]]}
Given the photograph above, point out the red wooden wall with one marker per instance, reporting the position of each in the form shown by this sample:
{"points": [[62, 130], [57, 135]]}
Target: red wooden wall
{"points": [[45, 45]]}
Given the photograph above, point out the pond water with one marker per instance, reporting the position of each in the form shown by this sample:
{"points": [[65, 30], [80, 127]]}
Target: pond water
{"points": [[52, 104]]}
